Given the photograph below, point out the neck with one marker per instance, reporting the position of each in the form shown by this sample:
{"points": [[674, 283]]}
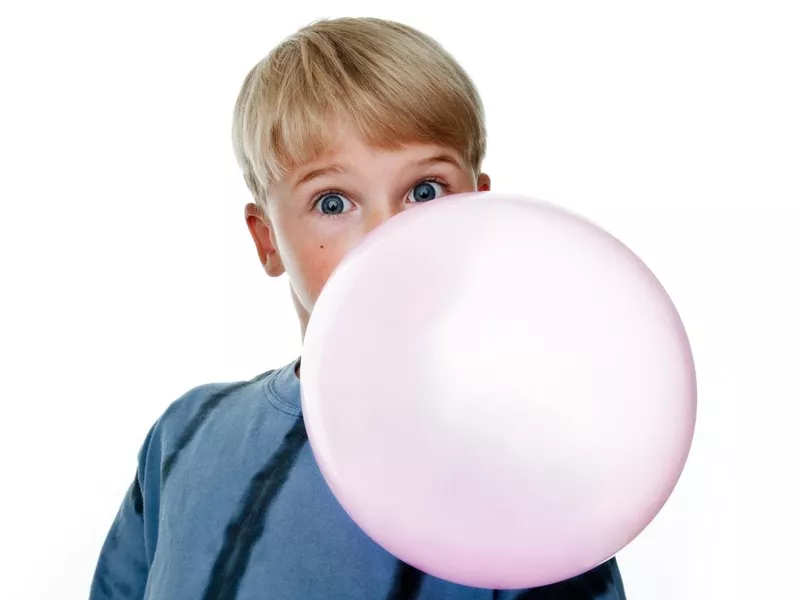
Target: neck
{"points": [[302, 316]]}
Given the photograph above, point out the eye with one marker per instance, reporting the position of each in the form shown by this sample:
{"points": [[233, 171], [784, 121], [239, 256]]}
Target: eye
{"points": [[426, 191], [333, 204]]}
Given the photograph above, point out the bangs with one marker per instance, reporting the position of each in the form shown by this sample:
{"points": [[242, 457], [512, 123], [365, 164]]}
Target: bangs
{"points": [[292, 102]]}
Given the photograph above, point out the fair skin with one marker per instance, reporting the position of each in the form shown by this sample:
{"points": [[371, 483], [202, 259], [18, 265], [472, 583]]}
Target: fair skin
{"points": [[322, 209]]}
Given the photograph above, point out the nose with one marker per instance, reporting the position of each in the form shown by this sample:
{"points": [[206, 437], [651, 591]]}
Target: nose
{"points": [[378, 215]]}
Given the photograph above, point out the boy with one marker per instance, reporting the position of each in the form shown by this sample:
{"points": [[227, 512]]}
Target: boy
{"points": [[340, 127]]}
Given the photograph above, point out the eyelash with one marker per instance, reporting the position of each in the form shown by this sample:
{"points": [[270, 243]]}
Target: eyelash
{"points": [[321, 195]]}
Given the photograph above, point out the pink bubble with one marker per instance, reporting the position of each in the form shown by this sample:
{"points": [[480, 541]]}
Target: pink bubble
{"points": [[498, 392]]}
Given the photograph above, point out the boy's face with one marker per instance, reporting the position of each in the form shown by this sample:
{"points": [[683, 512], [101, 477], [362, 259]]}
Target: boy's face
{"points": [[324, 208]]}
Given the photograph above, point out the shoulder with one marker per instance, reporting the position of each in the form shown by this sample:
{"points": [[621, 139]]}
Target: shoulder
{"points": [[204, 399], [186, 415]]}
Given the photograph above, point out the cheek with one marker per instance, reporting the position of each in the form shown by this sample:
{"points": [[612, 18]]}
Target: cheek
{"points": [[314, 265], [311, 250]]}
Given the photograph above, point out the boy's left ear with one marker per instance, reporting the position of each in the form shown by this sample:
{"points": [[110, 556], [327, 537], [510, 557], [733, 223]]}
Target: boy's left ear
{"points": [[484, 183]]}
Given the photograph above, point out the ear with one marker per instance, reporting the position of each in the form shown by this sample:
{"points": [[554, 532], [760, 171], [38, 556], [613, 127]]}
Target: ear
{"points": [[484, 183], [262, 232]]}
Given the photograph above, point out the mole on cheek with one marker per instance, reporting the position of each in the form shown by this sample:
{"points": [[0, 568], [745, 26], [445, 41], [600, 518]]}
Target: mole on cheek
{"points": [[321, 247]]}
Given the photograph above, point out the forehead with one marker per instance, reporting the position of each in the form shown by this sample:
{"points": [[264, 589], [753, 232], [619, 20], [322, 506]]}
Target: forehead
{"points": [[347, 152]]}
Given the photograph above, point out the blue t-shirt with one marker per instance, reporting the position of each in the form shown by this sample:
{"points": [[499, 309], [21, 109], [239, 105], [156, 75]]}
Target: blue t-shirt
{"points": [[228, 503]]}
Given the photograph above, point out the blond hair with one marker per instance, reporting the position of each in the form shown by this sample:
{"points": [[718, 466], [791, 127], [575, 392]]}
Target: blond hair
{"points": [[394, 84]]}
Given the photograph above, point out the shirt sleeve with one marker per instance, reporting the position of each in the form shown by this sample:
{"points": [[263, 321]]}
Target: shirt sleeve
{"points": [[601, 583], [123, 565]]}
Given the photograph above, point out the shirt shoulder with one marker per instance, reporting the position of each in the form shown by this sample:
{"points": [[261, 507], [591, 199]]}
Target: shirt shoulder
{"points": [[184, 418], [185, 415]]}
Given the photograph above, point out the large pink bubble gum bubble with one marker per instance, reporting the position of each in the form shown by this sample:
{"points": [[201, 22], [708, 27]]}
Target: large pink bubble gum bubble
{"points": [[498, 392]]}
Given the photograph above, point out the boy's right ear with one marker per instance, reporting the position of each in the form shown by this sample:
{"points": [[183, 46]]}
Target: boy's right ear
{"points": [[262, 233]]}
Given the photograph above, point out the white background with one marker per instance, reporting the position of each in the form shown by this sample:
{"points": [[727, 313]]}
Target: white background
{"points": [[128, 276]]}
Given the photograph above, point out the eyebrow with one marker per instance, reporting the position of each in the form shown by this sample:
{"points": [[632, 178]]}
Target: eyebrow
{"points": [[314, 173], [336, 168], [441, 158]]}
